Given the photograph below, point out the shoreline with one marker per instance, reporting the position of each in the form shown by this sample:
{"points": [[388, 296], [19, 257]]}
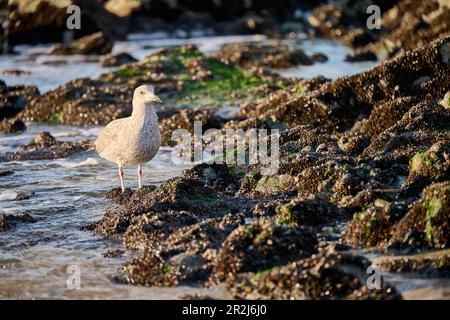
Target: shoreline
{"points": [[364, 163]]}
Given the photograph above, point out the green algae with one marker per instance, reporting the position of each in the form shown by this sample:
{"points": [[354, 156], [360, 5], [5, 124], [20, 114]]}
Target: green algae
{"points": [[248, 231], [202, 198], [220, 84], [417, 160], [57, 117], [237, 171], [165, 269], [252, 177], [146, 190], [433, 207], [255, 277], [284, 214], [228, 85], [180, 57], [127, 72], [273, 184], [299, 89]]}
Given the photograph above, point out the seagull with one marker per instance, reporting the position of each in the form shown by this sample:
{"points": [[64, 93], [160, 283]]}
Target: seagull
{"points": [[133, 140]]}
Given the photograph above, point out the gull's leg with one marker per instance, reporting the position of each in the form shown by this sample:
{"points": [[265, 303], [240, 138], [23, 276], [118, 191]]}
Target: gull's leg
{"points": [[139, 176], [121, 178]]}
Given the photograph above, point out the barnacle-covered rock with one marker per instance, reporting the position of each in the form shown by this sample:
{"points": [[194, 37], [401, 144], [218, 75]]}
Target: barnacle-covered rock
{"points": [[261, 245], [44, 146], [430, 217], [323, 276]]}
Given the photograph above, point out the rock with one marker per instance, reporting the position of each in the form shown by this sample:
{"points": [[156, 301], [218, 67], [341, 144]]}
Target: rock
{"points": [[328, 20], [431, 265], [12, 126], [149, 269], [80, 102], [424, 225], [368, 148], [8, 221], [5, 173], [186, 260], [23, 196], [432, 164], [327, 275], [225, 17], [183, 78], [44, 147], [252, 54], [361, 55], [354, 142], [120, 197], [370, 227], [111, 253], [14, 99], [186, 198], [425, 123], [122, 8], [406, 25], [310, 212], [319, 57], [336, 105], [116, 60], [444, 52], [357, 38], [274, 184], [184, 119], [43, 138], [387, 114], [261, 245], [96, 43], [445, 102], [44, 21], [15, 72], [430, 216]]}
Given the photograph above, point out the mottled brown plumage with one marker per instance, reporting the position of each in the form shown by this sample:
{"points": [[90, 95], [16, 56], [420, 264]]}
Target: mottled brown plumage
{"points": [[135, 139]]}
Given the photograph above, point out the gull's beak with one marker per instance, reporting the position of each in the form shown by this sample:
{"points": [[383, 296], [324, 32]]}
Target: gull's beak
{"points": [[155, 98]]}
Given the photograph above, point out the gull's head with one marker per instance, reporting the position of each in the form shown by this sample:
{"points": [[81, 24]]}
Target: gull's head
{"points": [[145, 94]]}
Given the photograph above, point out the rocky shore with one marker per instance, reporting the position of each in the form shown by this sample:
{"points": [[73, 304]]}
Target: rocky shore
{"points": [[406, 25], [364, 160], [369, 149]]}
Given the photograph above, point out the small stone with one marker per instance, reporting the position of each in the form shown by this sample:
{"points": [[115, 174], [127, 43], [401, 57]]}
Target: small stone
{"points": [[322, 147], [5, 173], [445, 102], [23, 196], [12, 126], [187, 260], [15, 72], [44, 138], [444, 51], [116, 60]]}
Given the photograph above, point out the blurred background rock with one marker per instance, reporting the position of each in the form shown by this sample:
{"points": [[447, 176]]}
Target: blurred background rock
{"points": [[104, 21]]}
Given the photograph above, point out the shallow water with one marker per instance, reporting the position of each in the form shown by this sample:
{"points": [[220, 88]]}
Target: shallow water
{"points": [[412, 285], [68, 193], [336, 66], [65, 194]]}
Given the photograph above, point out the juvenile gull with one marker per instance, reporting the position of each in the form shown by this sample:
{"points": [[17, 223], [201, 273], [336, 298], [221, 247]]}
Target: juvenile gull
{"points": [[135, 139]]}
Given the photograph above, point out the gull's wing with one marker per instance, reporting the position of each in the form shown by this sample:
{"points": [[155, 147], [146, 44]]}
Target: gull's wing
{"points": [[108, 135]]}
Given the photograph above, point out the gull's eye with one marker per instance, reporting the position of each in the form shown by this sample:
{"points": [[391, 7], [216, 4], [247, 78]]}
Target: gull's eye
{"points": [[142, 93]]}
